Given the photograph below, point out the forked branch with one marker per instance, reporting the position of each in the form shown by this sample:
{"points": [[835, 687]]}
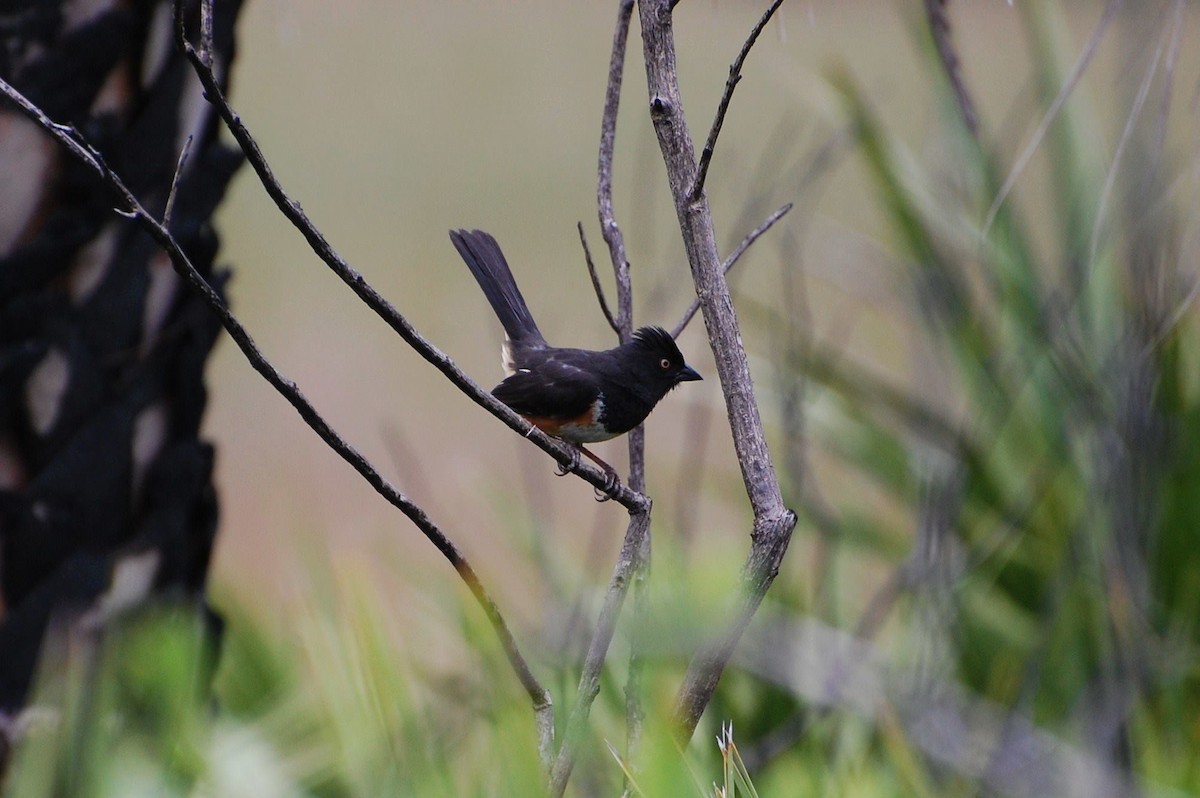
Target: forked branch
{"points": [[773, 521]]}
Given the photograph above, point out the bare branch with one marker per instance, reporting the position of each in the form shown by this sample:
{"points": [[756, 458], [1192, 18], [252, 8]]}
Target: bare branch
{"points": [[607, 215], [589, 679], [206, 32], [731, 261], [939, 28], [599, 289], [604, 201], [773, 521], [633, 560], [563, 454], [735, 75], [637, 537], [87, 155], [170, 206]]}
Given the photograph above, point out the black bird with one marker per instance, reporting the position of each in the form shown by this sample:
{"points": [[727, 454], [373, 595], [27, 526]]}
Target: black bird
{"points": [[577, 395]]}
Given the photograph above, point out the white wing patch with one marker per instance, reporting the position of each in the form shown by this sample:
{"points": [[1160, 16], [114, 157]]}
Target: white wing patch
{"points": [[506, 358], [568, 367]]}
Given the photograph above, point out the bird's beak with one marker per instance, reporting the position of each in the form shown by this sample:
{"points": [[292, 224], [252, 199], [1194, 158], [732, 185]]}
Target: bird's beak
{"points": [[688, 374]]}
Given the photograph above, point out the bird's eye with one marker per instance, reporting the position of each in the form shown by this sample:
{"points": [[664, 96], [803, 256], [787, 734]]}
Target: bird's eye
{"points": [[666, 364]]}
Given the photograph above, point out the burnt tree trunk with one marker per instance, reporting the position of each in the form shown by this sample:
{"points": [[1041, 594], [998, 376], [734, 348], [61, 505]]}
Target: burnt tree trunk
{"points": [[106, 494]]}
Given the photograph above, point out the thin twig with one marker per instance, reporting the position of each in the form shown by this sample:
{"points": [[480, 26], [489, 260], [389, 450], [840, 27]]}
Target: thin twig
{"points": [[939, 28], [564, 455], [604, 171], [87, 155], [735, 76], [599, 289], [206, 32], [170, 206], [731, 261]]}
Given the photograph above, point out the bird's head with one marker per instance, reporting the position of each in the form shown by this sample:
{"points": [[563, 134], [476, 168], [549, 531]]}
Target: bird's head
{"points": [[661, 362]]}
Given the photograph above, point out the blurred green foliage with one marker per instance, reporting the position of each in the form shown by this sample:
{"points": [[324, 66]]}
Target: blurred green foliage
{"points": [[1031, 539]]}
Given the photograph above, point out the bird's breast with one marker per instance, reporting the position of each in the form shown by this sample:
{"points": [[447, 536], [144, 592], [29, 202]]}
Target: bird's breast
{"points": [[588, 427]]}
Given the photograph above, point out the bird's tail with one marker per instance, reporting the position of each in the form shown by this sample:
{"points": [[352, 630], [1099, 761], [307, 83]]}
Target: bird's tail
{"points": [[487, 263]]}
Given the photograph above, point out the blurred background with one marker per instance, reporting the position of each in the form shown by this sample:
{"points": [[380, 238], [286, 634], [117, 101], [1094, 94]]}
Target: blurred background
{"points": [[983, 411], [392, 123]]}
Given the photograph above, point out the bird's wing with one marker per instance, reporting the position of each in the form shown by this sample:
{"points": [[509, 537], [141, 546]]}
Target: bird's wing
{"points": [[554, 387]]}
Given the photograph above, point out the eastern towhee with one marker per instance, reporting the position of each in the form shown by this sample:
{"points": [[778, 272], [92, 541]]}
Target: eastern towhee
{"points": [[577, 395]]}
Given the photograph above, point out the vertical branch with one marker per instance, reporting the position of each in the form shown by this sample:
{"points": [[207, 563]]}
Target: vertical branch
{"points": [[695, 220], [604, 201], [589, 679], [635, 550], [206, 33], [638, 534], [773, 522]]}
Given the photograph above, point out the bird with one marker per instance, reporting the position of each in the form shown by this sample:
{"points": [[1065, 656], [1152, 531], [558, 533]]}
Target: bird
{"points": [[579, 396]]}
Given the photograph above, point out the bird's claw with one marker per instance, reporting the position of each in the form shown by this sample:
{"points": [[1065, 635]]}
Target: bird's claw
{"points": [[612, 486], [570, 465], [612, 482]]}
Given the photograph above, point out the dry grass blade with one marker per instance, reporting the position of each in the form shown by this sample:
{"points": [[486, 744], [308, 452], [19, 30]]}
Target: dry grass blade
{"points": [[1035, 141]]}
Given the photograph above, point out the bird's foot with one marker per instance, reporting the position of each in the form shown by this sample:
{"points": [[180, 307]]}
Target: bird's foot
{"points": [[612, 485], [612, 481], [570, 465]]}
